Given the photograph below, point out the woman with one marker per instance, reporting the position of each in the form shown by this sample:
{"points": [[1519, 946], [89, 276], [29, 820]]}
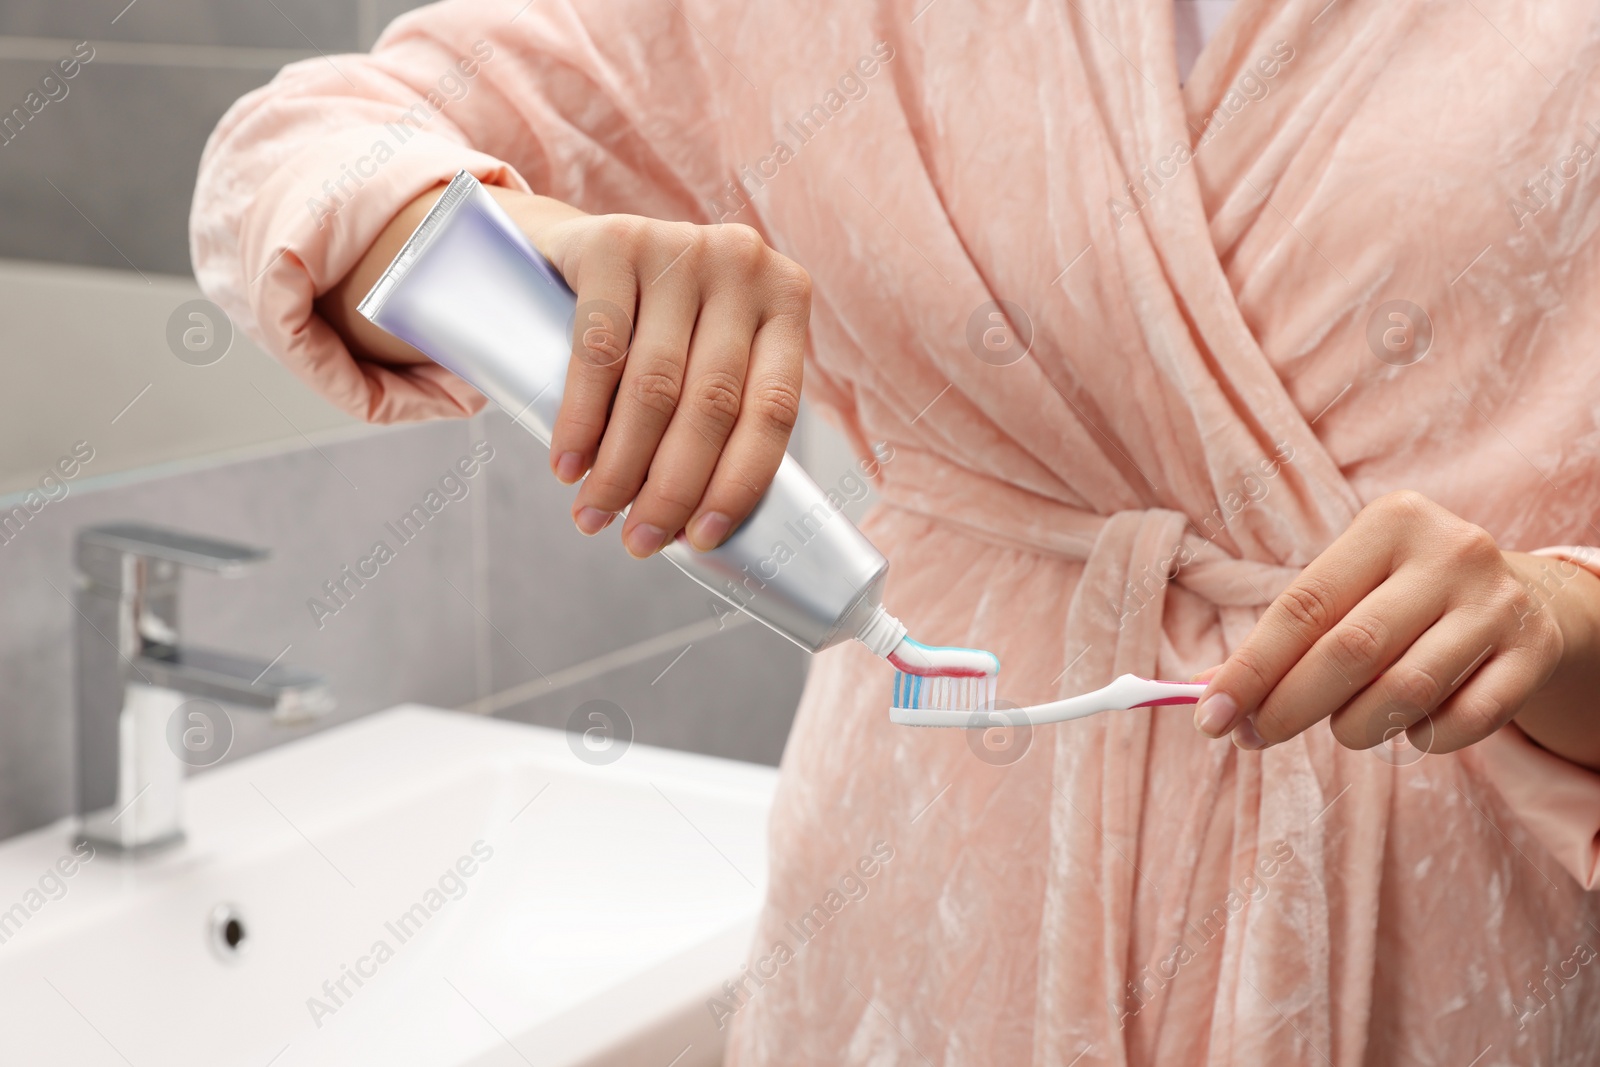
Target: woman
{"points": [[1292, 362]]}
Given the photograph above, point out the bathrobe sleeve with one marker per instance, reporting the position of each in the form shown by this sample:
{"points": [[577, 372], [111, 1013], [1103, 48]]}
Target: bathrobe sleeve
{"points": [[1557, 800], [604, 104]]}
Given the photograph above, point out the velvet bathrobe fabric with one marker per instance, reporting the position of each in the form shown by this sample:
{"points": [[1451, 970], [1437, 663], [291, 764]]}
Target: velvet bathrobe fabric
{"points": [[1196, 412]]}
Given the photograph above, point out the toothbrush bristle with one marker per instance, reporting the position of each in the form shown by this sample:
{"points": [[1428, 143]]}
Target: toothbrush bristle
{"points": [[944, 692], [946, 679]]}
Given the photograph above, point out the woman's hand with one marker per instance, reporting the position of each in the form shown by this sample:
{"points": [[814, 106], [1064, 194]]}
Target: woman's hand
{"points": [[688, 422], [685, 378], [1415, 621]]}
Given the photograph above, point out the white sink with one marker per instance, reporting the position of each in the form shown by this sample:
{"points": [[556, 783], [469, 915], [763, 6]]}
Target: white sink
{"points": [[613, 903]]}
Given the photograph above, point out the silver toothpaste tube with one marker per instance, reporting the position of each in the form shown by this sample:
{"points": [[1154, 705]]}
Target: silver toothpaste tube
{"points": [[472, 292]]}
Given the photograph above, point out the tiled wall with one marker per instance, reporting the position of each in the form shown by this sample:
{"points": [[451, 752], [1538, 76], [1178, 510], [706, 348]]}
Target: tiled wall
{"points": [[103, 176], [499, 605]]}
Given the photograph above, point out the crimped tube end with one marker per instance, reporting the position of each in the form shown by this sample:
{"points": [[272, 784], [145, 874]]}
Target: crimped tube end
{"points": [[883, 633]]}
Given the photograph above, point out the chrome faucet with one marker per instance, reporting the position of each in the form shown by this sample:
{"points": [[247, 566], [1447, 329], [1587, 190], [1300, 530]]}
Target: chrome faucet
{"points": [[149, 706]]}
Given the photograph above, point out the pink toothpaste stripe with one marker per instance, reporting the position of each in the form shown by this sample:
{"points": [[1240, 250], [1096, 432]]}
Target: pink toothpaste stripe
{"points": [[935, 672]]}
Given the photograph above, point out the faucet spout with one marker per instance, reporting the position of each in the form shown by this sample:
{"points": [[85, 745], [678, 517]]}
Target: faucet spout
{"points": [[290, 694]]}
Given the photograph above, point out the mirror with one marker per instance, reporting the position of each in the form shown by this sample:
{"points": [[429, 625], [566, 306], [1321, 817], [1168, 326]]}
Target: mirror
{"points": [[128, 375]]}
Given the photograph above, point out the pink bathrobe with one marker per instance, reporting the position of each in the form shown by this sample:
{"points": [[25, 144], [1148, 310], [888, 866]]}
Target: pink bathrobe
{"points": [[1202, 276]]}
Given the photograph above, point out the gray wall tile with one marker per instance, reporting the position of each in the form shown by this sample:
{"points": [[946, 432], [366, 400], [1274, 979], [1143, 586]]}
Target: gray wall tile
{"points": [[329, 27], [377, 14], [731, 695], [557, 597], [122, 149]]}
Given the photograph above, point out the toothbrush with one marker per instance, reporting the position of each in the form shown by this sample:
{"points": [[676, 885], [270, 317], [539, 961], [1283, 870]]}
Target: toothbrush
{"points": [[940, 691]]}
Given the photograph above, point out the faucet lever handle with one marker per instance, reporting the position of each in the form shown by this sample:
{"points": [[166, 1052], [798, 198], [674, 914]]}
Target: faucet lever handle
{"points": [[105, 553]]}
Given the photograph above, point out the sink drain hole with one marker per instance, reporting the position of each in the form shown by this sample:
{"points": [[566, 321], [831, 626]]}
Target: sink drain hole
{"points": [[227, 933]]}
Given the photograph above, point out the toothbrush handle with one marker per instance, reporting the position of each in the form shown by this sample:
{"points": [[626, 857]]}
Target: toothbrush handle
{"points": [[1156, 693], [1127, 691]]}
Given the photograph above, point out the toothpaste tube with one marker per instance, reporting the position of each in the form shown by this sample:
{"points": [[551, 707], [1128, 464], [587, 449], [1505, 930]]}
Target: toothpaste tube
{"points": [[471, 291]]}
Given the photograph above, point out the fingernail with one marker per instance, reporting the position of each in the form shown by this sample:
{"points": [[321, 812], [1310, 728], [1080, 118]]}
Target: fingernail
{"points": [[1247, 737], [568, 466], [592, 520], [643, 540], [709, 530], [1214, 714]]}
